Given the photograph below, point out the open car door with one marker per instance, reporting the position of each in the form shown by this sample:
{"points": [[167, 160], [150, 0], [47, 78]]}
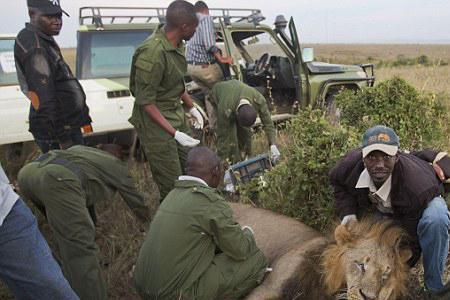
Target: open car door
{"points": [[235, 70], [300, 75]]}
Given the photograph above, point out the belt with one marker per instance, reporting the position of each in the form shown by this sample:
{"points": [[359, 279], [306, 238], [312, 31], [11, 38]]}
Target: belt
{"points": [[195, 63], [67, 164]]}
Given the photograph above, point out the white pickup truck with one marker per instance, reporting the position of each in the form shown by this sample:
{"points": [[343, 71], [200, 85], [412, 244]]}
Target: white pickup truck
{"points": [[109, 101]]}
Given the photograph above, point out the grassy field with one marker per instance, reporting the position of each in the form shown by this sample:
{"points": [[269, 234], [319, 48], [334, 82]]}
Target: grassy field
{"points": [[119, 235]]}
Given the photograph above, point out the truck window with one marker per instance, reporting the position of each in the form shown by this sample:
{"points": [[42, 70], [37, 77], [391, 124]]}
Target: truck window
{"points": [[107, 54], [253, 44], [8, 74]]}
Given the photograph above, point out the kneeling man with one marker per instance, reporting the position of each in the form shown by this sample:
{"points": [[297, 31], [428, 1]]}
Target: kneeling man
{"points": [[195, 249], [379, 179]]}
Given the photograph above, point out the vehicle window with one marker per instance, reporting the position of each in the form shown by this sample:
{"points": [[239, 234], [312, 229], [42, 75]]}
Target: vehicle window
{"points": [[108, 54], [8, 73], [253, 44]]}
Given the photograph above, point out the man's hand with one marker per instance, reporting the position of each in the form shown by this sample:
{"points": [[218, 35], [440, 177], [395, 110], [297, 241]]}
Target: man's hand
{"points": [[65, 145], [274, 153], [248, 228], [185, 140], [227, 60], [198, 123], [349, 219]]}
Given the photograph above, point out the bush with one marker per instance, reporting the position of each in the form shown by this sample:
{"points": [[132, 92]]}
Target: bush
{"points": [[299, 186], [418, 119]]}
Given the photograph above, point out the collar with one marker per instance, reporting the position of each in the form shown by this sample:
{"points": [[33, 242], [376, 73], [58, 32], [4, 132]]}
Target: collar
{"points": [[192, 178], [34, 28], [243, 102], [365, 181], [160, 34], [201, 16]]}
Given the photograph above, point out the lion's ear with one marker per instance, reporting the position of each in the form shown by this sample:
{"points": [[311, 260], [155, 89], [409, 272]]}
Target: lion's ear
{"points": [[405, 255], [342, 235]]}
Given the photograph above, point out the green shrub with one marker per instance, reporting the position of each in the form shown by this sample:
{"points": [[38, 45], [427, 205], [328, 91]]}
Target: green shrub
{"points": [[299, 186], [418, 118]]}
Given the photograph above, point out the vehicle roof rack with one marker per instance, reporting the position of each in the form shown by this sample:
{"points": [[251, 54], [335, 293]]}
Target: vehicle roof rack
{"points": [[100, 15]]}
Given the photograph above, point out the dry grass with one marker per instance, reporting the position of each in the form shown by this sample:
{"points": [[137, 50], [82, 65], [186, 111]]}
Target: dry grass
{"points": [[119, 234]]}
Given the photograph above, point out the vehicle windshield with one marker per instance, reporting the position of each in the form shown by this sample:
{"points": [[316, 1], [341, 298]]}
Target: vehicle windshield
{"points": [[8, 75], [107, 54], [253, 44]]}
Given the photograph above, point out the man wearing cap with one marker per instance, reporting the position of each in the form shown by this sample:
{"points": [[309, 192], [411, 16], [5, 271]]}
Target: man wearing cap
{"points": [[379, 179], [64, 183], [58, 107], [157, 83], [237, 106]]}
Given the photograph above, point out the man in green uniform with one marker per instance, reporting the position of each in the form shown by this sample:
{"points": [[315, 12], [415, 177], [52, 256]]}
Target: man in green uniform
{"points": [[157, 83], [64, 183], [195, 250], [237, 105]]}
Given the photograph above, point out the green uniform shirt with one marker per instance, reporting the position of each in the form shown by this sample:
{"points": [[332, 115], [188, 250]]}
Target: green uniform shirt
{"points": [[157, 77], [191, 224], [225, 97], [103, 174]]}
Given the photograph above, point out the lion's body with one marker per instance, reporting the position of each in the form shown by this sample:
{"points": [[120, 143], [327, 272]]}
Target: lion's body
{"points": [[307, 265]]}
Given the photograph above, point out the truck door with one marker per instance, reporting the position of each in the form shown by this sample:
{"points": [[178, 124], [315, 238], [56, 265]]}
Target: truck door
{"points": [[230, 51], [300, 74]]}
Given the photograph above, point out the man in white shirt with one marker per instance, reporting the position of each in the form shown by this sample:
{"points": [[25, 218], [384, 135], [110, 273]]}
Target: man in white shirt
{"points": [[26, 262]]}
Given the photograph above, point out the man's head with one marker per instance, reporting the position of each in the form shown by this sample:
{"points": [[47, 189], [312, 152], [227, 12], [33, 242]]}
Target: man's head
{"points": [[181, 18], [380, 147], [46, 15], [245, 114], [201, 7], [205, 164]]}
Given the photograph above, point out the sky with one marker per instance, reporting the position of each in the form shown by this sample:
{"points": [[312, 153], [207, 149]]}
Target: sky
{"points": [[318, 21]]}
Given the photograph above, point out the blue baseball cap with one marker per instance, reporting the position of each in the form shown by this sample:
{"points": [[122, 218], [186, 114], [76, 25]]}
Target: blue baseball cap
{"points": [[380, 138]]}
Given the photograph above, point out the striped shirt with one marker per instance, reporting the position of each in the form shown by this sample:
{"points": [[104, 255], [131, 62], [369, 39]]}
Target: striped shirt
{"points": [[202, 45]]}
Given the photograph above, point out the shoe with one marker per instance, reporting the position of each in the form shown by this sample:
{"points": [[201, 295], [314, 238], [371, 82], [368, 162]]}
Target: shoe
{"points": [[443, 294]]}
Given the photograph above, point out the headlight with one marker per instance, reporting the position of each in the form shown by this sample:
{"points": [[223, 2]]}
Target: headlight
{"points": [[361, 74]]}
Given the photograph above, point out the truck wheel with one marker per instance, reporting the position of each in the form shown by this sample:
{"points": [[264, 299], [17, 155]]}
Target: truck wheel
{"points": [[333, 112]]}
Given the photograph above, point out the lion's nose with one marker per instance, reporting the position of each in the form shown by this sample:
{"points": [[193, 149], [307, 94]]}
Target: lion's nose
{"points": [[367, 295]]}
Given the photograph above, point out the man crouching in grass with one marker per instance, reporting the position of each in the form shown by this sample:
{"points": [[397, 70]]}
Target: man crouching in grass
{"points": [[194, 248]]}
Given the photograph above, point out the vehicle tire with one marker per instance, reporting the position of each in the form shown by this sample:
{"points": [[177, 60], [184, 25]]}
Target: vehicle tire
{"points": [[332, 111]]}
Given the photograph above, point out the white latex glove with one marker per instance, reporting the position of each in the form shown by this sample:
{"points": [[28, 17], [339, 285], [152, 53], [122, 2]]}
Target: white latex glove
{"points": [[348, 218], [198, 123], [185, 140], [274, 153], [249, 228]]}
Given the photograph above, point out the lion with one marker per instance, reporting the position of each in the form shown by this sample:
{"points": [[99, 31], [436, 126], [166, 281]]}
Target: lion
{"points": [[366, 259]]}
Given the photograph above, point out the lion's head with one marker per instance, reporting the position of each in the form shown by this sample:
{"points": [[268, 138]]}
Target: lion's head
{"points": [[368, 258]]}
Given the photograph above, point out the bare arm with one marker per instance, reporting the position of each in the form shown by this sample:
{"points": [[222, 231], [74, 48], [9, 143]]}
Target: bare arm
{"points": [[187, 100], [156, 116]]}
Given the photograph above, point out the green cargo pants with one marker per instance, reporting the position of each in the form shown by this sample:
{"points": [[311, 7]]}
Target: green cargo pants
{"points": [[166, 157], [59, 191], [227, 279], [234, 143]]}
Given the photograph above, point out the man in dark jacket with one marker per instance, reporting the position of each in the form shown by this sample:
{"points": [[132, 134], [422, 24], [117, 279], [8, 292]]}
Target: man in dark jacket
{"points": [[58, 108], [380, 180]]}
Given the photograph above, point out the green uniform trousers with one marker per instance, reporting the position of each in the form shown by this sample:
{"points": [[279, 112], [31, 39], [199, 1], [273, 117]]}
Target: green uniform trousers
{"points": [[227, 147], [63, 197], [228, 279], [167, 158]]}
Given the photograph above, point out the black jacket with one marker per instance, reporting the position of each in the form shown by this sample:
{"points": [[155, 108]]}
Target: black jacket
{"points": [[414, 185], [58, 102]]}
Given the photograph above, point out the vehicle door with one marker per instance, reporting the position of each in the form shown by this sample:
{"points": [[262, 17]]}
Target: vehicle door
{"points": [[301, 75], [224, 36]]}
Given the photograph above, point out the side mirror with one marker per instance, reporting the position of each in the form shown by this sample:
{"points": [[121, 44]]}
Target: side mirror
{"points": [[308, 54]]}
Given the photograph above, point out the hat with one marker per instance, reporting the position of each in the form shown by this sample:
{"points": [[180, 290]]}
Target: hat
{"points": [[48, 7], [380, 138]]}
